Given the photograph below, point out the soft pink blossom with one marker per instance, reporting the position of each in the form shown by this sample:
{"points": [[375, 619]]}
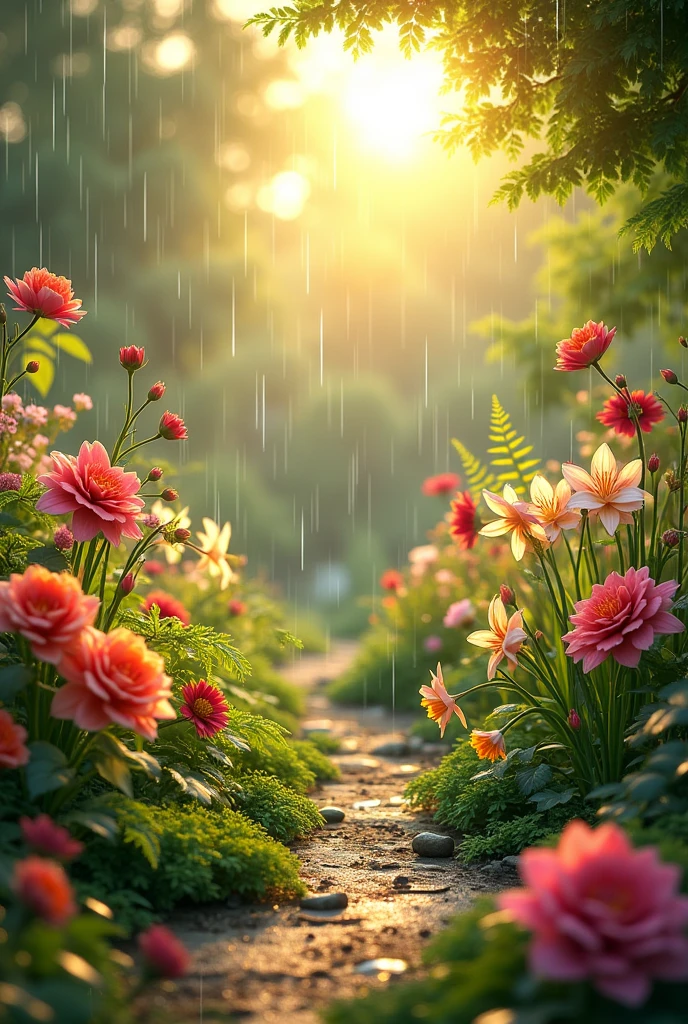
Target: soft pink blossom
{"points": [[82, 402], [12, 403], [432, 644], [460, 613], [36, 415]]}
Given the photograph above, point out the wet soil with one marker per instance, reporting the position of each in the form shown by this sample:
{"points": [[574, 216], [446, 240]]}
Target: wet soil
{"points": [[275, 963]]}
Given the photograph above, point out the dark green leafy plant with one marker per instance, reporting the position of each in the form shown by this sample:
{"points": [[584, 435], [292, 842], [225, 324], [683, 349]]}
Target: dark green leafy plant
{"points": [[284, 814]]}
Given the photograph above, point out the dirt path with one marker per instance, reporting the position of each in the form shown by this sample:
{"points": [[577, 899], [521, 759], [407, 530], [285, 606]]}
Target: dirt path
{"points": [[263, 964]]}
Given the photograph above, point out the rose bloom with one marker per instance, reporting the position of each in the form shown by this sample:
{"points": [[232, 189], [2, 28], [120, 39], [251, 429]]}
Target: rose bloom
{"points": [[504, 637], [170, 607], [13, 751], [606, 491], [586, 345], [488, 745], [514, 518], [206, 707], [550, 507], [47, 295], [163, 953], [113, 678], [438, 486], [621, 617], [616, 414], [462, 521], [43, 887], [100, 496], [47, 837], [459, 614], [49, 609], [440, 704], [601, 911], [391, 579]]}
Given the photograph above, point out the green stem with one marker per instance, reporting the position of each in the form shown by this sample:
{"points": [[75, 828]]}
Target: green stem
{"points": [[127, 418]]}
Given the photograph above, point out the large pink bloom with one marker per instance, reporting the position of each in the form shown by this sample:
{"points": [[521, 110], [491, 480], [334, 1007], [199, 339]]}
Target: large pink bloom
{"points": [[113, 677], [101, 496], [44, 293], [49, 609], [586, 345], [602, 911], [621, 618]]}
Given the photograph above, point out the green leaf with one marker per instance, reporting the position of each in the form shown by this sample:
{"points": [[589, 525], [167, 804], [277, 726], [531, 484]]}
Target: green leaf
{"points": [[47, 769], [48, 556], [238, 742], [114, 770], [73, 346], [13, 678], [546, 799], [103, 825], [144, 840], [533, 779]]}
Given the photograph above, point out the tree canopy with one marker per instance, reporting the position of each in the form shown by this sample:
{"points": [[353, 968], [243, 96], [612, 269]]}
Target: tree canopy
{"points": [[602, 85]]}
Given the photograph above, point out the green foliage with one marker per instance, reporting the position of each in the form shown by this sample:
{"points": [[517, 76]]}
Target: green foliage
{"points": [[324, 742], [284, 814], [45, 342], [508, 838], [311, 753]]}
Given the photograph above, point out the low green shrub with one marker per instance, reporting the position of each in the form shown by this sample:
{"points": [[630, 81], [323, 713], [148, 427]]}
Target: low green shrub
{"points": [[315, 760], [284, 814], [508, 838]]}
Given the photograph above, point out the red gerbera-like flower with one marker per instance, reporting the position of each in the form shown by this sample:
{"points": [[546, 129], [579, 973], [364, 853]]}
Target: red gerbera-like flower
{"points": [[206, 707], [170, 607], [462, 524], [391, 579], [443, 483], [616, 414], [47, 295]]}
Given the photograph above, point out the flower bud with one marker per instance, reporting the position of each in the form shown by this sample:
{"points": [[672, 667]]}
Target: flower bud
{"points": [[507, 595], [33, 366], [669, 376], [63, 538], [574, 719], [156, 392], [671, 538], [682, 414], [3, 315], [538, 634], [682, 341], [169, 494], [127, 583], [653, 463], [131, 357], [620, 380], [236, 608], [155, 473], [181, 535], [172, 427]]}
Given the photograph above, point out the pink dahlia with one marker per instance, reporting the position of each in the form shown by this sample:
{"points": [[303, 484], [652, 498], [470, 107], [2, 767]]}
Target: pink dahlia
{"points": [[586, 345], [46, 295], [600, 910], [101, 497], [49, 609], [113, 677], [206, 707], [47, 837], [621, 617]]}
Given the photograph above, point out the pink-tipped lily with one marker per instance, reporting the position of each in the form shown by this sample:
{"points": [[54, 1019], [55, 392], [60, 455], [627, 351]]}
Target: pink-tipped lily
{"points": [[440, 704]]}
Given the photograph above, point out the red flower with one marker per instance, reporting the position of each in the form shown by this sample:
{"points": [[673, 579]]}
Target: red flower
{"points": [[170, 607], [131, 357], [164, 954], [44, 888], [49, 296], [462, 524], [586, 345], [100, 496], [391, 579], [617, 415], [156, 392], [236, 608], [172, 427], [45, 836], [206, 707], [13, 752], [154, 568], [443, 483]]}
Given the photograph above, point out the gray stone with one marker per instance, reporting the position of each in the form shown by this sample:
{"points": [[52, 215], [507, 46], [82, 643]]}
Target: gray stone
{"points": [[495, 867], [510, 861], [431, 844], [395, 748], [332, 815], [330, 901]]}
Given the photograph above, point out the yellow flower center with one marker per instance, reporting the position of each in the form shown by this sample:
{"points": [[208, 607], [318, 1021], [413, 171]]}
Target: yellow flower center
{"points": [[202, 707], [608, 607]]}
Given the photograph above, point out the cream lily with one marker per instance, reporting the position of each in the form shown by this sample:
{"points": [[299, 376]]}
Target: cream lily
{"points": [[504, 637], [514, 518], [549, 505], [606, 491], [213, 551]]}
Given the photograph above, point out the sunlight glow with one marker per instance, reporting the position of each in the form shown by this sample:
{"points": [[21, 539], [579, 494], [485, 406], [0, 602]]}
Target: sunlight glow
{"points": [[285, 195], [173, 53]]}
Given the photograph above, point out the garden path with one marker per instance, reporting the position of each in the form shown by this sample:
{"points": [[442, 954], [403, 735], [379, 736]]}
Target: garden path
{"points": [[281, 963]]}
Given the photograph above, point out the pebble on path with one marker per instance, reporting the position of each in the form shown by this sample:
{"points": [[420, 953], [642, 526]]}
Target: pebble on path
{"points": [[329, 901], [431, 844], [332, 815]]}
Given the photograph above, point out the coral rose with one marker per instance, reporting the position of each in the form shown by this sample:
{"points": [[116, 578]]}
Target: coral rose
{"points": [[602, 911], [46, 295], [621, 617], [48, 608], [164, 955], [586, 346], [44, 888], [13, 751], [113, 677], [170, 607], [206, 707], [47, 837], [100, 496]]}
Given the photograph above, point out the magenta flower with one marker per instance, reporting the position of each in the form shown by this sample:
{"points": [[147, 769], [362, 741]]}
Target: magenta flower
{"points": [[601, 911], [100, 496], [621, 617]]}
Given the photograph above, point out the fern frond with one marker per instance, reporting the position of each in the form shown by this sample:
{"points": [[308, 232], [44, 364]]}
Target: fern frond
{"points": [[510, 455], [478, 477], [182, 646]]}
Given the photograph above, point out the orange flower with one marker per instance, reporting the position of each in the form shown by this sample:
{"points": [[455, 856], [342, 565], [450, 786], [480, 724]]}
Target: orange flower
{"points": [[488, 744], [44, 888], [514, 518], [440, 704], [606, 491], [504, 637], [550, 507]]}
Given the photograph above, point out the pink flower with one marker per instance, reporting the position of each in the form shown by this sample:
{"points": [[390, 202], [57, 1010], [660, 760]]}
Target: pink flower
{"points": [[616, 413], [66, 417], [113, 677], [10, 481], [438, 486], [391, 579], [459, 614], [49, 609], [44, 888], [13, 751], [504, 637], [206, 707], [100, 496], [515, 518], [49, 296], [169, 606], [432, 644], [462, 524], [63, 538], [36, 415], [600, 910], [8, 424], [164, 955], [12, 403], [606, 491], [82, 402], [421, 558], [586, 345], [131, 357], [440, 704], [621, 617], [172, 427], [236, 608], [47, 837]]}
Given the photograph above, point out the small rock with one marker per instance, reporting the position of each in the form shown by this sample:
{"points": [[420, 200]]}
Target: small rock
{"points": [[329, 901], [510, 861], [332, 815], [395, 748], [400, 882], [495, 867], [431, 844], [425, 933], [364, 805], [384, 965]]}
